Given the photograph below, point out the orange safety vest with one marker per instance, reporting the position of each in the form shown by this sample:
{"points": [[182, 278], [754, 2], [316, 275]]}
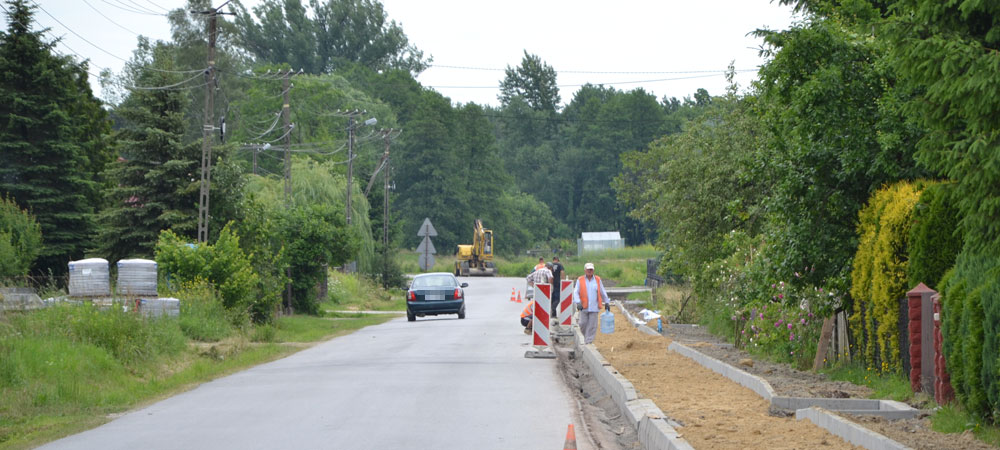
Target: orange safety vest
{"points": [[527, 309], [582, 283], [539, 266]]}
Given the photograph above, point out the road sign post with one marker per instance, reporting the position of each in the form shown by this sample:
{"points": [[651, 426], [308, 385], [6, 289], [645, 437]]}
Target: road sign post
{"points": [[426, 248]]}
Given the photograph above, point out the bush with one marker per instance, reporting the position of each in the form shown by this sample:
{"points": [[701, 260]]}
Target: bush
{"points": [[316, 236], [935, 238], [878, 278], [786, 333], [20, 239], [223, 264]]}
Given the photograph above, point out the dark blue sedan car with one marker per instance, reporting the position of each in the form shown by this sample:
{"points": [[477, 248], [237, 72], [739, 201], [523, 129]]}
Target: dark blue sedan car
{"points": [[431, 294]]}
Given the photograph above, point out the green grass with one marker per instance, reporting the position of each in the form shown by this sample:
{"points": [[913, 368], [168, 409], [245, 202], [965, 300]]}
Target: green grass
{"points": [[627, 267], [65, 369], [351, 293], [952, 419], [887, 386]]}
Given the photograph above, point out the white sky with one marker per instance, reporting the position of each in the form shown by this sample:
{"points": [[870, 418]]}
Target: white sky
{"points": [[668, 39]]}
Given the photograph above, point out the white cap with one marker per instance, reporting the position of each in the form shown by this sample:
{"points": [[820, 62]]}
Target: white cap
{"points": [[588, 266]]}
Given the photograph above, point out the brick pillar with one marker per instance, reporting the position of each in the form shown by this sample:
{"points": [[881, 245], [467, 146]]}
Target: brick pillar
{"points": [[921, 332], [943, 392], [915, 302]]}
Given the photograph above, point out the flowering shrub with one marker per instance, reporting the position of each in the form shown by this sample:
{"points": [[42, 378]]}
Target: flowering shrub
{"points": [[778, 318], [787, 333]]}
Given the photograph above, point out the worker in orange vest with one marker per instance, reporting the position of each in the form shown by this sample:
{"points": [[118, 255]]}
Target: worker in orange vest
{"points": [[541, 263], [589, 287], [526, 317]]}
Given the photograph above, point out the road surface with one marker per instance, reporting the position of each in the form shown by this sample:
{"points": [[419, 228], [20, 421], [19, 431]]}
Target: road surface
{"points": [[439, 382]]}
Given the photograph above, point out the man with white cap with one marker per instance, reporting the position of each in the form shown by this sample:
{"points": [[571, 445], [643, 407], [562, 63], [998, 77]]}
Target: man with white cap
{"points": [[589, 287]]}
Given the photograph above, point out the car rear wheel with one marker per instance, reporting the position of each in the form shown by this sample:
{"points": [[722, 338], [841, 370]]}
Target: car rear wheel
{"points": [[461, 313], [411, 317]]}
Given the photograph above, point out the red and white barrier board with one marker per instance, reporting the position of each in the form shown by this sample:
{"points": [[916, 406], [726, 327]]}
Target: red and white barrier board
{"points": [[565, 314], [540, 322]]}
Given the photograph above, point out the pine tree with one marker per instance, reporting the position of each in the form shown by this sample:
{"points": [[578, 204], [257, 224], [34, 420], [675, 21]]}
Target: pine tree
{"points": [[156, 174], [51, 138]]}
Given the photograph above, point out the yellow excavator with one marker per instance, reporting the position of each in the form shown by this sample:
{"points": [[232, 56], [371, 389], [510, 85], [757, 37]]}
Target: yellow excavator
{"points": [[477, 259]]}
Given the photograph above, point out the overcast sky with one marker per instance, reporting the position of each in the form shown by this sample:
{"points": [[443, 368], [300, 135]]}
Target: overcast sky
{"points": [[663, 46]]}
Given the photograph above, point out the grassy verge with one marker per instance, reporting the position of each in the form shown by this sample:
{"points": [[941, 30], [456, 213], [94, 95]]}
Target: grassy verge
{"points": [[627, 267], [68, 368], [952, 419], [352, 293], [948, 419], [888, 386]]}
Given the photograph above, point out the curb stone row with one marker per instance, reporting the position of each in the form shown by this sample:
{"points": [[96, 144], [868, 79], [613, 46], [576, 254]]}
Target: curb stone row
{"points": [[658, 432]]}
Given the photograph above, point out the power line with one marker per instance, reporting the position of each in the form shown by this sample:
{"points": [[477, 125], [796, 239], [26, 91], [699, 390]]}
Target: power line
{"points": [[101, 48], [714, 74], [492, 69], [129, 9], [109, 19]]}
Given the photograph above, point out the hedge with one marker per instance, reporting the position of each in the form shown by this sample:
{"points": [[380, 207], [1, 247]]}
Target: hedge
{"points": [[935, 238], [878, 277]]}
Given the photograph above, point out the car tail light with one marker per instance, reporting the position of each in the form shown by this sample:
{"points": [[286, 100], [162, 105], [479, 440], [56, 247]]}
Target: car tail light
{"points": [[458, 294], [412, 297]]}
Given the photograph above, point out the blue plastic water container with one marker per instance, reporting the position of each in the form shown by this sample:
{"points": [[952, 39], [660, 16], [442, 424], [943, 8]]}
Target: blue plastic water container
{"points": [[607, 320]]}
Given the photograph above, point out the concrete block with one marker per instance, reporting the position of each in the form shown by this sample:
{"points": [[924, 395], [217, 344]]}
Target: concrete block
{"points": [[657, 434], [752, 382], [847, 430], [540, 354], [836, 404], [636, 409]]}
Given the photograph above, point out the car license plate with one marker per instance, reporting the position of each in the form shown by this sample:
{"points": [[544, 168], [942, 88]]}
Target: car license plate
{"points": [[434, 297]]}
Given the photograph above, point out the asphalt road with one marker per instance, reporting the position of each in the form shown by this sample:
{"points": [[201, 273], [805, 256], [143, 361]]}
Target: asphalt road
{"points": [[437, 383]]}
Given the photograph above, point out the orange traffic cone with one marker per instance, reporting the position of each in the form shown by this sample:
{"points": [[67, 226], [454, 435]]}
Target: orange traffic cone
{"points": [[519, 296], [570, 439], [512, 295]]}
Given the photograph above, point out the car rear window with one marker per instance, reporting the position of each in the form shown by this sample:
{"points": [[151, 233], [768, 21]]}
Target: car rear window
{"points": [[433, 281]]}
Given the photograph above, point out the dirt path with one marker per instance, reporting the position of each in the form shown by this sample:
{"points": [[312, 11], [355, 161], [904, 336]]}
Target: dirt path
{"points": [[714, 412], [786, 381]]}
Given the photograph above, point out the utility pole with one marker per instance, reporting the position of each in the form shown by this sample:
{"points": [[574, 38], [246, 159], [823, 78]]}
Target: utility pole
{"points": [[350, 165], [286, 114], [385, 215], [208, 127]]}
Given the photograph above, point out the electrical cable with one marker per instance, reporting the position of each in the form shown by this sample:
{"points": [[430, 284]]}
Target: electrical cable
{"points": [[716, 74], [443, 66], [158, 6], [101, 48], [167, 87], [274, 124], [124, 7]]}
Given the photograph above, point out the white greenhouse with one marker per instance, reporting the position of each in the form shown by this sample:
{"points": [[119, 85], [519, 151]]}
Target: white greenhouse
{"points": [[599, 241]]}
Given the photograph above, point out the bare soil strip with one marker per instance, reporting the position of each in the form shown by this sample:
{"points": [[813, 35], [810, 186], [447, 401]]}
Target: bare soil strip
{"points": [[715, 413]]}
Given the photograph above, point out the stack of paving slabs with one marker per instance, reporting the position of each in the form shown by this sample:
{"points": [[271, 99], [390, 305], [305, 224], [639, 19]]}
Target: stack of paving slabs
{"points": [[136, 277], [89, 278], [160, 307]]}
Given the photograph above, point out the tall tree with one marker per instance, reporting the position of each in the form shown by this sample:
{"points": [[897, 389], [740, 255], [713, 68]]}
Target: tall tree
{"points": [[533, 80], [828, 114], [339, 32], [156, 173], [51, 139]]}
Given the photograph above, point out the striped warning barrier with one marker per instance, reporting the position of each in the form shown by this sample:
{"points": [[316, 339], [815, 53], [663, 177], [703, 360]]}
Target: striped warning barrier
{"points": [[540, 325], [565, 314]]}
